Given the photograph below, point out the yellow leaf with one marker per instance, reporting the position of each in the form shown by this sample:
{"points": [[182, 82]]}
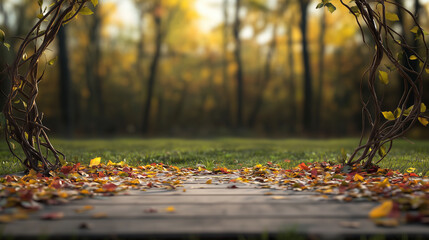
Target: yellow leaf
{"points": [[170, 209], [357, 177], [382, 210], [408, 110], [382, 151], [384, 183], [392, 17], [95, 161], [86, 11], [423, 121], [209, 181], [422, 108], [415, 29], [94, 2], [413, 57], [384, 77], [411, 169], [388, 115]]}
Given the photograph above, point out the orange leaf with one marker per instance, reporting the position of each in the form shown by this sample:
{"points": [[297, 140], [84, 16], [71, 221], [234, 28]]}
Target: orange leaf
{"points": [[357, 177], [382, 210], [170, 209]]}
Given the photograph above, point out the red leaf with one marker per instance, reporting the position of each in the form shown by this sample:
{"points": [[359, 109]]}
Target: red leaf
{"points": [[56, 183], [314, 173], [303, 167], [109, 187], [66, 169]]}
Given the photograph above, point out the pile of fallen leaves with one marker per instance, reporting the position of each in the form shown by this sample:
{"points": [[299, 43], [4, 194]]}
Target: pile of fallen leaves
{"points": [[403, 197]]}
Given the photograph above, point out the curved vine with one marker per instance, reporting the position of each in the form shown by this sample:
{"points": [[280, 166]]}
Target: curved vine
{"points": [[392, 47], [23, 121]]}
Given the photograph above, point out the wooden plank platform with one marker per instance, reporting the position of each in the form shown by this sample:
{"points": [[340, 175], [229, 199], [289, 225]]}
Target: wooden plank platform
{"points": [[208, 211]]}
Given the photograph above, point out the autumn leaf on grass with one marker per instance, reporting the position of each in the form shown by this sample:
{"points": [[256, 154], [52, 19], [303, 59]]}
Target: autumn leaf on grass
{"points": [[382, 210], [357, 178], [303, 166], [95, 162]]}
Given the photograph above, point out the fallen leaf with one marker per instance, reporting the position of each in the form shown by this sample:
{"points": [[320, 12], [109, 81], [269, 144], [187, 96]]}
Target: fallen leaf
{"points": [[382, 210], [53, 216], [209, 181], [170, 209], [95, 162], [150, 210], [84, 209], [278, 197], [99, 215], [387, 222]]}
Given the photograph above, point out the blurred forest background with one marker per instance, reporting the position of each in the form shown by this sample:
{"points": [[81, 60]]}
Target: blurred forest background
{"points": [[205, 67]]}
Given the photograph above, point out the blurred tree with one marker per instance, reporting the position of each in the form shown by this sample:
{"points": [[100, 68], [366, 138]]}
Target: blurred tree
{"points": [[409, 37], [225, 40], [95, 111], [157, 17], [308, 88], [66, 87], [238, 61], [318, 121], [266, 77]]}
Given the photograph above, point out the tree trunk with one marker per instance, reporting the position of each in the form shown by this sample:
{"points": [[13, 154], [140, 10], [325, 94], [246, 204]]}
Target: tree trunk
{"points": [[409, 37], [266, 77], [292, 121], [140, 45], [319, 102], [308, 89], [227, 110], [95, 109], [239, 74], [152, 74], [66, 87]]}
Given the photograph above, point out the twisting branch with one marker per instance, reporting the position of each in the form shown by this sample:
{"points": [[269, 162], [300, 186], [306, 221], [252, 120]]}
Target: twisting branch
{"points": [[390, 46], [23, 120]]}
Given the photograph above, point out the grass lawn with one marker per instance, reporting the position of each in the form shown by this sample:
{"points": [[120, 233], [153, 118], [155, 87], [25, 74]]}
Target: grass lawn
{"points": [[226, 152]]}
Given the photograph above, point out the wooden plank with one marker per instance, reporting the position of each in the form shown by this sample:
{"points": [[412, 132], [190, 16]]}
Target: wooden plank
{"points": [[186, 190], [220, 210], [318, 228], [203, 199]]}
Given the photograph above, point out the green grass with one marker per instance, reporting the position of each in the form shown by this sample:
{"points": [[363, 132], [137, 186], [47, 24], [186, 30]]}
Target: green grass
{"points": [[226, 152]]}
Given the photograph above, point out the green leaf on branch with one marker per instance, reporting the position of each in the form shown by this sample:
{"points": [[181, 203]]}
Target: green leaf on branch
{"points": [[40, 2], [94, 2], [52, 61], [355, 11], [423, 121], [7, 45], [397, 113], [389, 116], [2, 36], [382, 151], [392, 17], [86, 11], [331, 7], [384, 77], [422, 108], [408, 110]]}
